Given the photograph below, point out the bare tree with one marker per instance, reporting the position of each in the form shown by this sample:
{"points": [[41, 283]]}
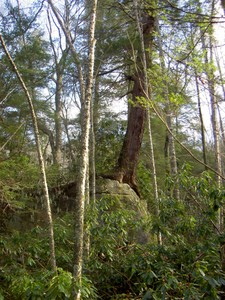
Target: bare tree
{"points": [[209, 61], [86, 97], [60, 64], [169, 144], [201, 120]]}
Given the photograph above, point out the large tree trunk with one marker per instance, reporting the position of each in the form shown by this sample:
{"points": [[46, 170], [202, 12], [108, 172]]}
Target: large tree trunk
{"points": [[129, 155]]}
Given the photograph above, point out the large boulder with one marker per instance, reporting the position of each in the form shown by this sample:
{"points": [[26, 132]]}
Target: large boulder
{"points": [[120, 195], [128, 198], [123, 197]]}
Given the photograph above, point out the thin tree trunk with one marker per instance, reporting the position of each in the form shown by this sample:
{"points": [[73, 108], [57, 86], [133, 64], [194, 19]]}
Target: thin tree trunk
{"points": [[58, 116], [71, 154], [92, 158], [86, 118], [170, 150], [11, 137], [72, 49], [154, 175], [59, 70], [216, 136], [201, 122], [214, 118], [79, 210], [40, 158], [218, 108], [86, 237], [147, 92]]}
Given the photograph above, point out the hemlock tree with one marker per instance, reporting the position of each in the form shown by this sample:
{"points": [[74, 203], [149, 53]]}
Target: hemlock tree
{"points": [[146, 62], [129, 155], [40, 157], [30, 52]]}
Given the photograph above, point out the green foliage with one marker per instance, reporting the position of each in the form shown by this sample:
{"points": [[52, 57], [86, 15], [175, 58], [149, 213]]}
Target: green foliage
{"points": [[113, 236], [32, 60], [16, 174], [187, 265], [60, 286], [18, 171], [109, 137], [25, 260]]}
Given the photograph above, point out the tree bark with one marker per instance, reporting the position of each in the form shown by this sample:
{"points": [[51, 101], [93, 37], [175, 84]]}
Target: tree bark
{"points": [[209, 61], [60, 64], [86, 118], [64, 28], [129, 155], [58, 117], [170, 150], [40, 158], [201, 122]]}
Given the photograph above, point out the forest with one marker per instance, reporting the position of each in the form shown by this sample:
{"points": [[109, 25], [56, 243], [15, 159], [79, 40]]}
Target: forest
{"points": [[112, 149]]}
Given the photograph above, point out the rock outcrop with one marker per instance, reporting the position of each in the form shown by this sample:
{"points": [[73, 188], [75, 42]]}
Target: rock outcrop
{"points": [[121, 196]]}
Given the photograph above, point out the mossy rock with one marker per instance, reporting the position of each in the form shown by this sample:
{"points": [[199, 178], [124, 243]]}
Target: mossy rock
{"points": [[116, 196], [128, 198]]}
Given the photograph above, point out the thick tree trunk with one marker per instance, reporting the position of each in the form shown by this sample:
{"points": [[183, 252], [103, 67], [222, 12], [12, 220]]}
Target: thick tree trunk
{"points": [[129, 155]]}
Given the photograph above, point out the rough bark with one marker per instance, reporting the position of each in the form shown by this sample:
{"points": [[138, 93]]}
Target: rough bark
{"points": [[92, 157], [129, 155]]}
